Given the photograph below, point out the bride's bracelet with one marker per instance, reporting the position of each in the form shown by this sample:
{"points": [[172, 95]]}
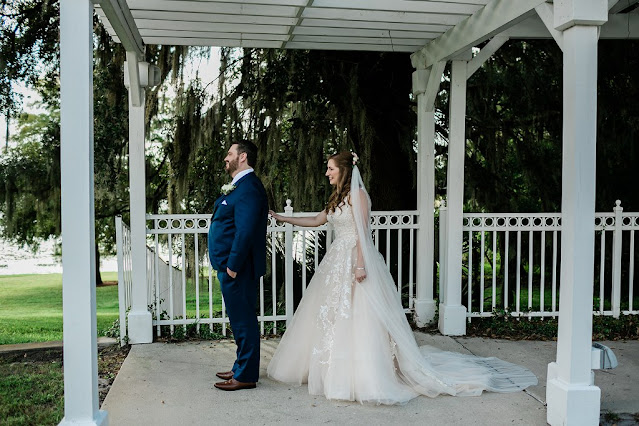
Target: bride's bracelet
{"points": [[361, 269]]}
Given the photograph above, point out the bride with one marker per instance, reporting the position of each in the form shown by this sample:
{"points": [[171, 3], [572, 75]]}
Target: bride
{"points": [[349, 338]]}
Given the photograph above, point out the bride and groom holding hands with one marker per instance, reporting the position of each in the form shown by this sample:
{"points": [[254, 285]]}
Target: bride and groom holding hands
{"points": [[349, 338]]}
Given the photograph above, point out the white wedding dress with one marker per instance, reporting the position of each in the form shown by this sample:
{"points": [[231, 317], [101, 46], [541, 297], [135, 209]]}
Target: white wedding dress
{"points": [[351, 341]]}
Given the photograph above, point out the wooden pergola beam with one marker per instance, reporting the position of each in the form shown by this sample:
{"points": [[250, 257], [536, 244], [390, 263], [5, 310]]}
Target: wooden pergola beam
{"points": [[494, 18], [619, 27], [616, 6], [119, 15]]}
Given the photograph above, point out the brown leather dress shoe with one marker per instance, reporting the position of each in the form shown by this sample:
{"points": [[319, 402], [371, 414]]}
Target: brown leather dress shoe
{"points": [[233, 385], [226, 375]]}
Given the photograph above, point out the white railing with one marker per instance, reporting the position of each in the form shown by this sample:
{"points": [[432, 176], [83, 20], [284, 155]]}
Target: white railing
{"points": [[125, 266], [518, 272], [157, 273], [182, 239], [511, 263]]}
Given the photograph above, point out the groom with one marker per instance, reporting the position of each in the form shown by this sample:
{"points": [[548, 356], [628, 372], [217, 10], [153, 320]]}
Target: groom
{"points": [[237, 250]]}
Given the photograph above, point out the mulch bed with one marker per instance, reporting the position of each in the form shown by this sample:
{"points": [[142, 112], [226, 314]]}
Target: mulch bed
{"points": [[626, 327]]}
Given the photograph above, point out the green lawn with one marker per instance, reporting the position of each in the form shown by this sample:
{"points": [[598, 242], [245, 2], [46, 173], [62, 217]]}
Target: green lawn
{"points": [[204, 297], [31, 307], [31, 388]]}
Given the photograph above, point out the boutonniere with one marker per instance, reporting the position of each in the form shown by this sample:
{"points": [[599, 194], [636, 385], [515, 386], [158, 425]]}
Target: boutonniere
{"points": [[226, 189]]}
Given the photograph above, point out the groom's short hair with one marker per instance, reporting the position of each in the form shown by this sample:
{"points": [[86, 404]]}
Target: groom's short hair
{"points": [[245, 145]]}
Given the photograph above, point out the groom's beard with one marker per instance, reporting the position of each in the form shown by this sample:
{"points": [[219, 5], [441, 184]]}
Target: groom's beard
{"points": [[232, 166]]}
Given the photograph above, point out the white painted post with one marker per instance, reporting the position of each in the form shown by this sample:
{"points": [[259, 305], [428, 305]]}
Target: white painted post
{"points": [[140, 320], [424, 302], [443, 220], [571, 396], [452, 314], [78, 217], [616, 260], [288, 264]]}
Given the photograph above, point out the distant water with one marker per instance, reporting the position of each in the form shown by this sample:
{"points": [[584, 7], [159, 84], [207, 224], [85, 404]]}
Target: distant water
{"points": [[21, 260]]}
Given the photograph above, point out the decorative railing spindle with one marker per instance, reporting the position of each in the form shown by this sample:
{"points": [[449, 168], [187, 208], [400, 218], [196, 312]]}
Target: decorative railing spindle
{"points": [[288, 262], [616, 255]]}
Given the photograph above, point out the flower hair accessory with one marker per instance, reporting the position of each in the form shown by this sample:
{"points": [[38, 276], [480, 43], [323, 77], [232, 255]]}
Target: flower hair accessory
{"points": [[355, 158], [226, 189]]}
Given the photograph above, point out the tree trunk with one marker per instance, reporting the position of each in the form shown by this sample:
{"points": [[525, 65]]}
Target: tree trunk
{"points": [[6, 140], [98, 276]]}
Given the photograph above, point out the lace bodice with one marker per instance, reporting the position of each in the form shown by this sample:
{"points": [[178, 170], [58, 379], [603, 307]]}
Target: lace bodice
{"points": [[343, 223]]}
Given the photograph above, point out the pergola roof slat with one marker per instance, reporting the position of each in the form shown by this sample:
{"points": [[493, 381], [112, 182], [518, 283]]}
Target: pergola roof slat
{"points": [[402, 6], [236, 28], [359, 40], [300, 3], [349, 46], [212, 17], [360, 32], [228, 42], [148, 33], [212, 7], [438, 28], [380, 16]]}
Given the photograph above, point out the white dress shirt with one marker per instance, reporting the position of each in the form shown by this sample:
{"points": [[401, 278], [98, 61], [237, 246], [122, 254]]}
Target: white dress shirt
{"points": [[240, 175]]}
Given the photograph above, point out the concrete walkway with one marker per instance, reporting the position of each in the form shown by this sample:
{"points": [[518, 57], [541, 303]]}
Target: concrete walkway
{"points": [[172, 384]]}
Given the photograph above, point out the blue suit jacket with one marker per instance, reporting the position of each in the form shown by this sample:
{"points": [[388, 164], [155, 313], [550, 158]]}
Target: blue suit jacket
{"points": [[237, 235]]}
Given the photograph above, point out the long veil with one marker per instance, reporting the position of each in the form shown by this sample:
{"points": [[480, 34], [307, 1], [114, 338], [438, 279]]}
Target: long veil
{"points": [[427, 370]]}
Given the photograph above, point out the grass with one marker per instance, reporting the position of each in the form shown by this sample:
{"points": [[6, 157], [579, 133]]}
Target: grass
{"points": [[32, 392], [191, 299], [32, 307], [523, 298], [204, 297]]}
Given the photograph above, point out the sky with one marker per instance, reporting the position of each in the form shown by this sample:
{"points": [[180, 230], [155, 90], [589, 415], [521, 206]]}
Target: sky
{"points": [[29, 98], [207, 68]]}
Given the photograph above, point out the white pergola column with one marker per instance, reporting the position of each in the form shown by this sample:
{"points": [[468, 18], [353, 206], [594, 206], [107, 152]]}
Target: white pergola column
{"points": [[452, 314], [425, 87], [78, 218], [140, 324], [571, 395]]}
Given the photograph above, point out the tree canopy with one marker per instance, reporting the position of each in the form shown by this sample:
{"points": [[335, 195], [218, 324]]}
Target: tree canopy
{"points": [[299, 107], [29, 46]]}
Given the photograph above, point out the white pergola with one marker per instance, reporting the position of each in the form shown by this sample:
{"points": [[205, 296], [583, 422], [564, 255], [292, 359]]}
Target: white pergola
{"points": [[435, 32]]}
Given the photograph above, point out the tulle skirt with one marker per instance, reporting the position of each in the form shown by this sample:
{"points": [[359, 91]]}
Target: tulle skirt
{"points": [[351, 341]]}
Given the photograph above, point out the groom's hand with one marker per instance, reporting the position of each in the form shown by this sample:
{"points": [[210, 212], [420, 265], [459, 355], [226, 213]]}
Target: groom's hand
{"points": [[232, 274]]}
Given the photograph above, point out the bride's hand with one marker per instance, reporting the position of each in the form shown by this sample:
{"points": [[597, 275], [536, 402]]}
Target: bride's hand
{"points": [[275, 215], [360, 274]]}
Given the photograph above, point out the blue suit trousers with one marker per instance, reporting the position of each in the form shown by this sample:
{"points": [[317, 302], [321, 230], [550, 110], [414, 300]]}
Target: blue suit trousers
{"points": [[240, 296]]}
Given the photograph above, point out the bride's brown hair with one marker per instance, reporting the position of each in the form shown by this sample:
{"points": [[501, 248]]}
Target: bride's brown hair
{"points": [[344, 162]]}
